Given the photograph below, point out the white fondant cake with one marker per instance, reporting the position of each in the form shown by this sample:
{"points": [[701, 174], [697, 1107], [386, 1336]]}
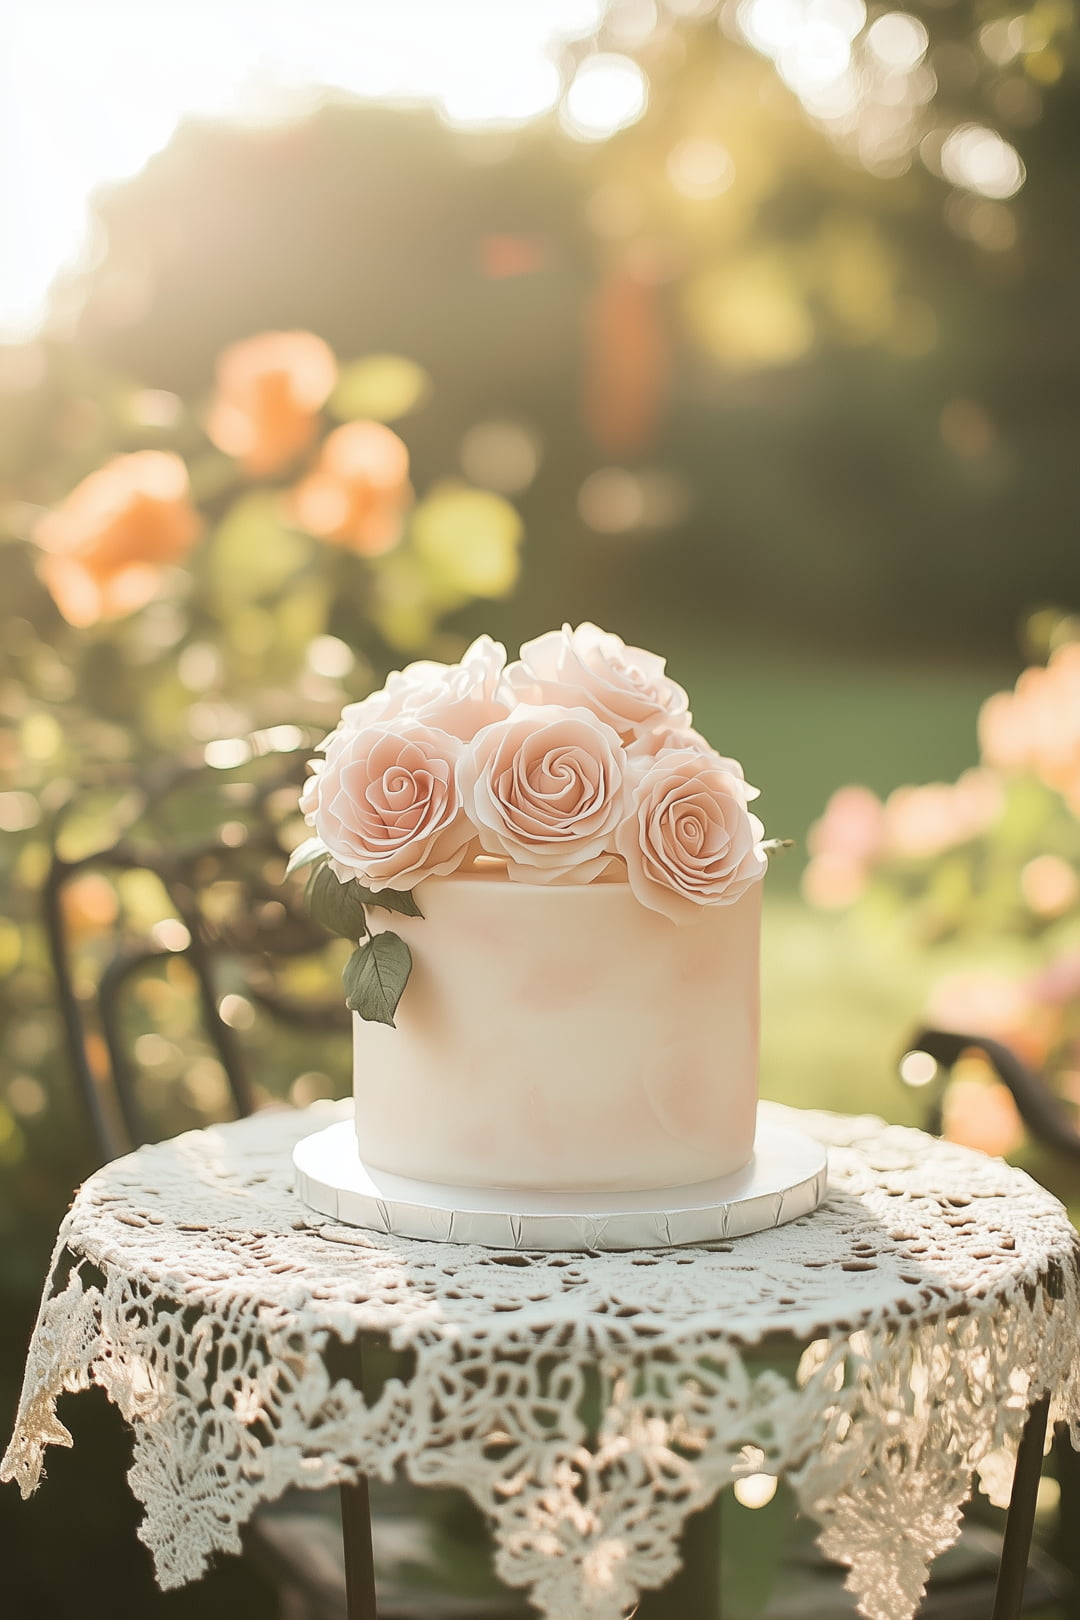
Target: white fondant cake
{"points": [[575, 1007], [563, 1037]]}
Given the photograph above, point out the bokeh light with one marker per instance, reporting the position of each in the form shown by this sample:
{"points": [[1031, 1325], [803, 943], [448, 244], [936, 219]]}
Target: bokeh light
{"points": [[981, 160], [502, 455], [608, 93], [898, 40], [700, 168]]}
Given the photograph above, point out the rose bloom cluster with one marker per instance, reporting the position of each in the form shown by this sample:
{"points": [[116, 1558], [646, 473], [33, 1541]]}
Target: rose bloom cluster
{"points": [[105, 547], [1036, 727], [859, 832], [574, 763]]}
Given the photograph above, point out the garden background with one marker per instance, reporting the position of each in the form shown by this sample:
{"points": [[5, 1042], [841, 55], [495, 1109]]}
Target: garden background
{"points": [[750, 333]]}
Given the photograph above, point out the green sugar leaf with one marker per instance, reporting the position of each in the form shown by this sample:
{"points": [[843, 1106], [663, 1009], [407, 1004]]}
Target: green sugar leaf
{"points": [[399, 900], [375, 976], [337, 906], [306, 854]]}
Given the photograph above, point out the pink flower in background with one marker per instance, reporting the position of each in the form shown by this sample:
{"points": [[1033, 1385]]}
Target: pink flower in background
{"points": [[546, 789], [1058, 982], [589, 668], [1036, 727], [459, 698], [1049, 885], [386, 804], [689, 840], [1001, 1005], [924, 821], [852, 825], [844, 846], [982, 1002], [980, 1113], [857, 832], [1004, 733]]}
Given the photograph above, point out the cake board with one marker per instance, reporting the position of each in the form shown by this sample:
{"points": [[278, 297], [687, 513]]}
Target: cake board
{"points": [[785, 1178]]}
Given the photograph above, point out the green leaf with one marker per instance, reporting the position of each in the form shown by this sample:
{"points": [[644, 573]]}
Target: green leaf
{"points": [[374, 977], [306, 854], [470, 538], [253, 554], [338, 906], [383, 386], [399, 900]]}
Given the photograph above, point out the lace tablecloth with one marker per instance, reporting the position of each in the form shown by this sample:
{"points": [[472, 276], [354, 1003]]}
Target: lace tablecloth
{"points": [[935, 1294]]}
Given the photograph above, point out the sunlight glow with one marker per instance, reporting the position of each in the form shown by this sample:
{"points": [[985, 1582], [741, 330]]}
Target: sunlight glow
{"points": [[608, 93], [88, 93]]}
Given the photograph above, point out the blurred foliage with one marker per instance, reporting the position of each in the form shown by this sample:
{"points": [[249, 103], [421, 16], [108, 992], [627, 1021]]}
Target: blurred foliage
{"points": [[168, 630], [979, 881]]}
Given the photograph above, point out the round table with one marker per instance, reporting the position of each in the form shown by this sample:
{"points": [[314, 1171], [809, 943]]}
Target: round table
{"points": [[589, 1403]]}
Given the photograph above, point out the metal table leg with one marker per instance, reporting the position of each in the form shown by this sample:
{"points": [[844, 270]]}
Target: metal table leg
{"points": [[360, 1601], [1016, 1545], [359, 1562], [694, 1593]]}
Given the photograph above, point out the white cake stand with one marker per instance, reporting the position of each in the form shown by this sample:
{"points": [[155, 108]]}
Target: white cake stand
{"points": [[784, 1179]]}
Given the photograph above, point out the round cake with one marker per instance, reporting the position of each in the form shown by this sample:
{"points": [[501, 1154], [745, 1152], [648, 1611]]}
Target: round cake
{"points": [[563, 1037], [553, 885]]}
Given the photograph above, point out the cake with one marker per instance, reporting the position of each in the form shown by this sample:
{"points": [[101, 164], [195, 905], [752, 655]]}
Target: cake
{"points": [[554, 886]]}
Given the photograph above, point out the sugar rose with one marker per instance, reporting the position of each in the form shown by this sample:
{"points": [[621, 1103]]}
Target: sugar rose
{"points": [[546, 789], [666, 737], [589, 668], [270, 390], [104, 546], [689, 840], [386, 804], [459, 698]]}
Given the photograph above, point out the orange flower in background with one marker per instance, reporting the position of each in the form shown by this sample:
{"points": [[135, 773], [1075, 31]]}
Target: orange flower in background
{"points": [[270, 390], [359, 491], [90, 905], [105, 545]]}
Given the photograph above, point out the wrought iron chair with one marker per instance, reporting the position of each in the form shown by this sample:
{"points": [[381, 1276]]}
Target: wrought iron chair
{"points": [[1050, 1124]]}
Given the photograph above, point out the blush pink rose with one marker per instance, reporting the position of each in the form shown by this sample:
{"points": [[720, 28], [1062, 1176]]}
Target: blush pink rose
{"points": [[545, 788], [385, 802], [664, 738], [588, 668], [457, 698], [689, 840]]}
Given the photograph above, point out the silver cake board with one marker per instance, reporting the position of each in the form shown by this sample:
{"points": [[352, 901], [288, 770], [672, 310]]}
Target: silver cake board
{"points": [[785, 1179]]}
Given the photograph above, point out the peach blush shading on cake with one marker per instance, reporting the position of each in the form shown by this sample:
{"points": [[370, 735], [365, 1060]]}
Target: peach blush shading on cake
{"points": [[563, 1037]]}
